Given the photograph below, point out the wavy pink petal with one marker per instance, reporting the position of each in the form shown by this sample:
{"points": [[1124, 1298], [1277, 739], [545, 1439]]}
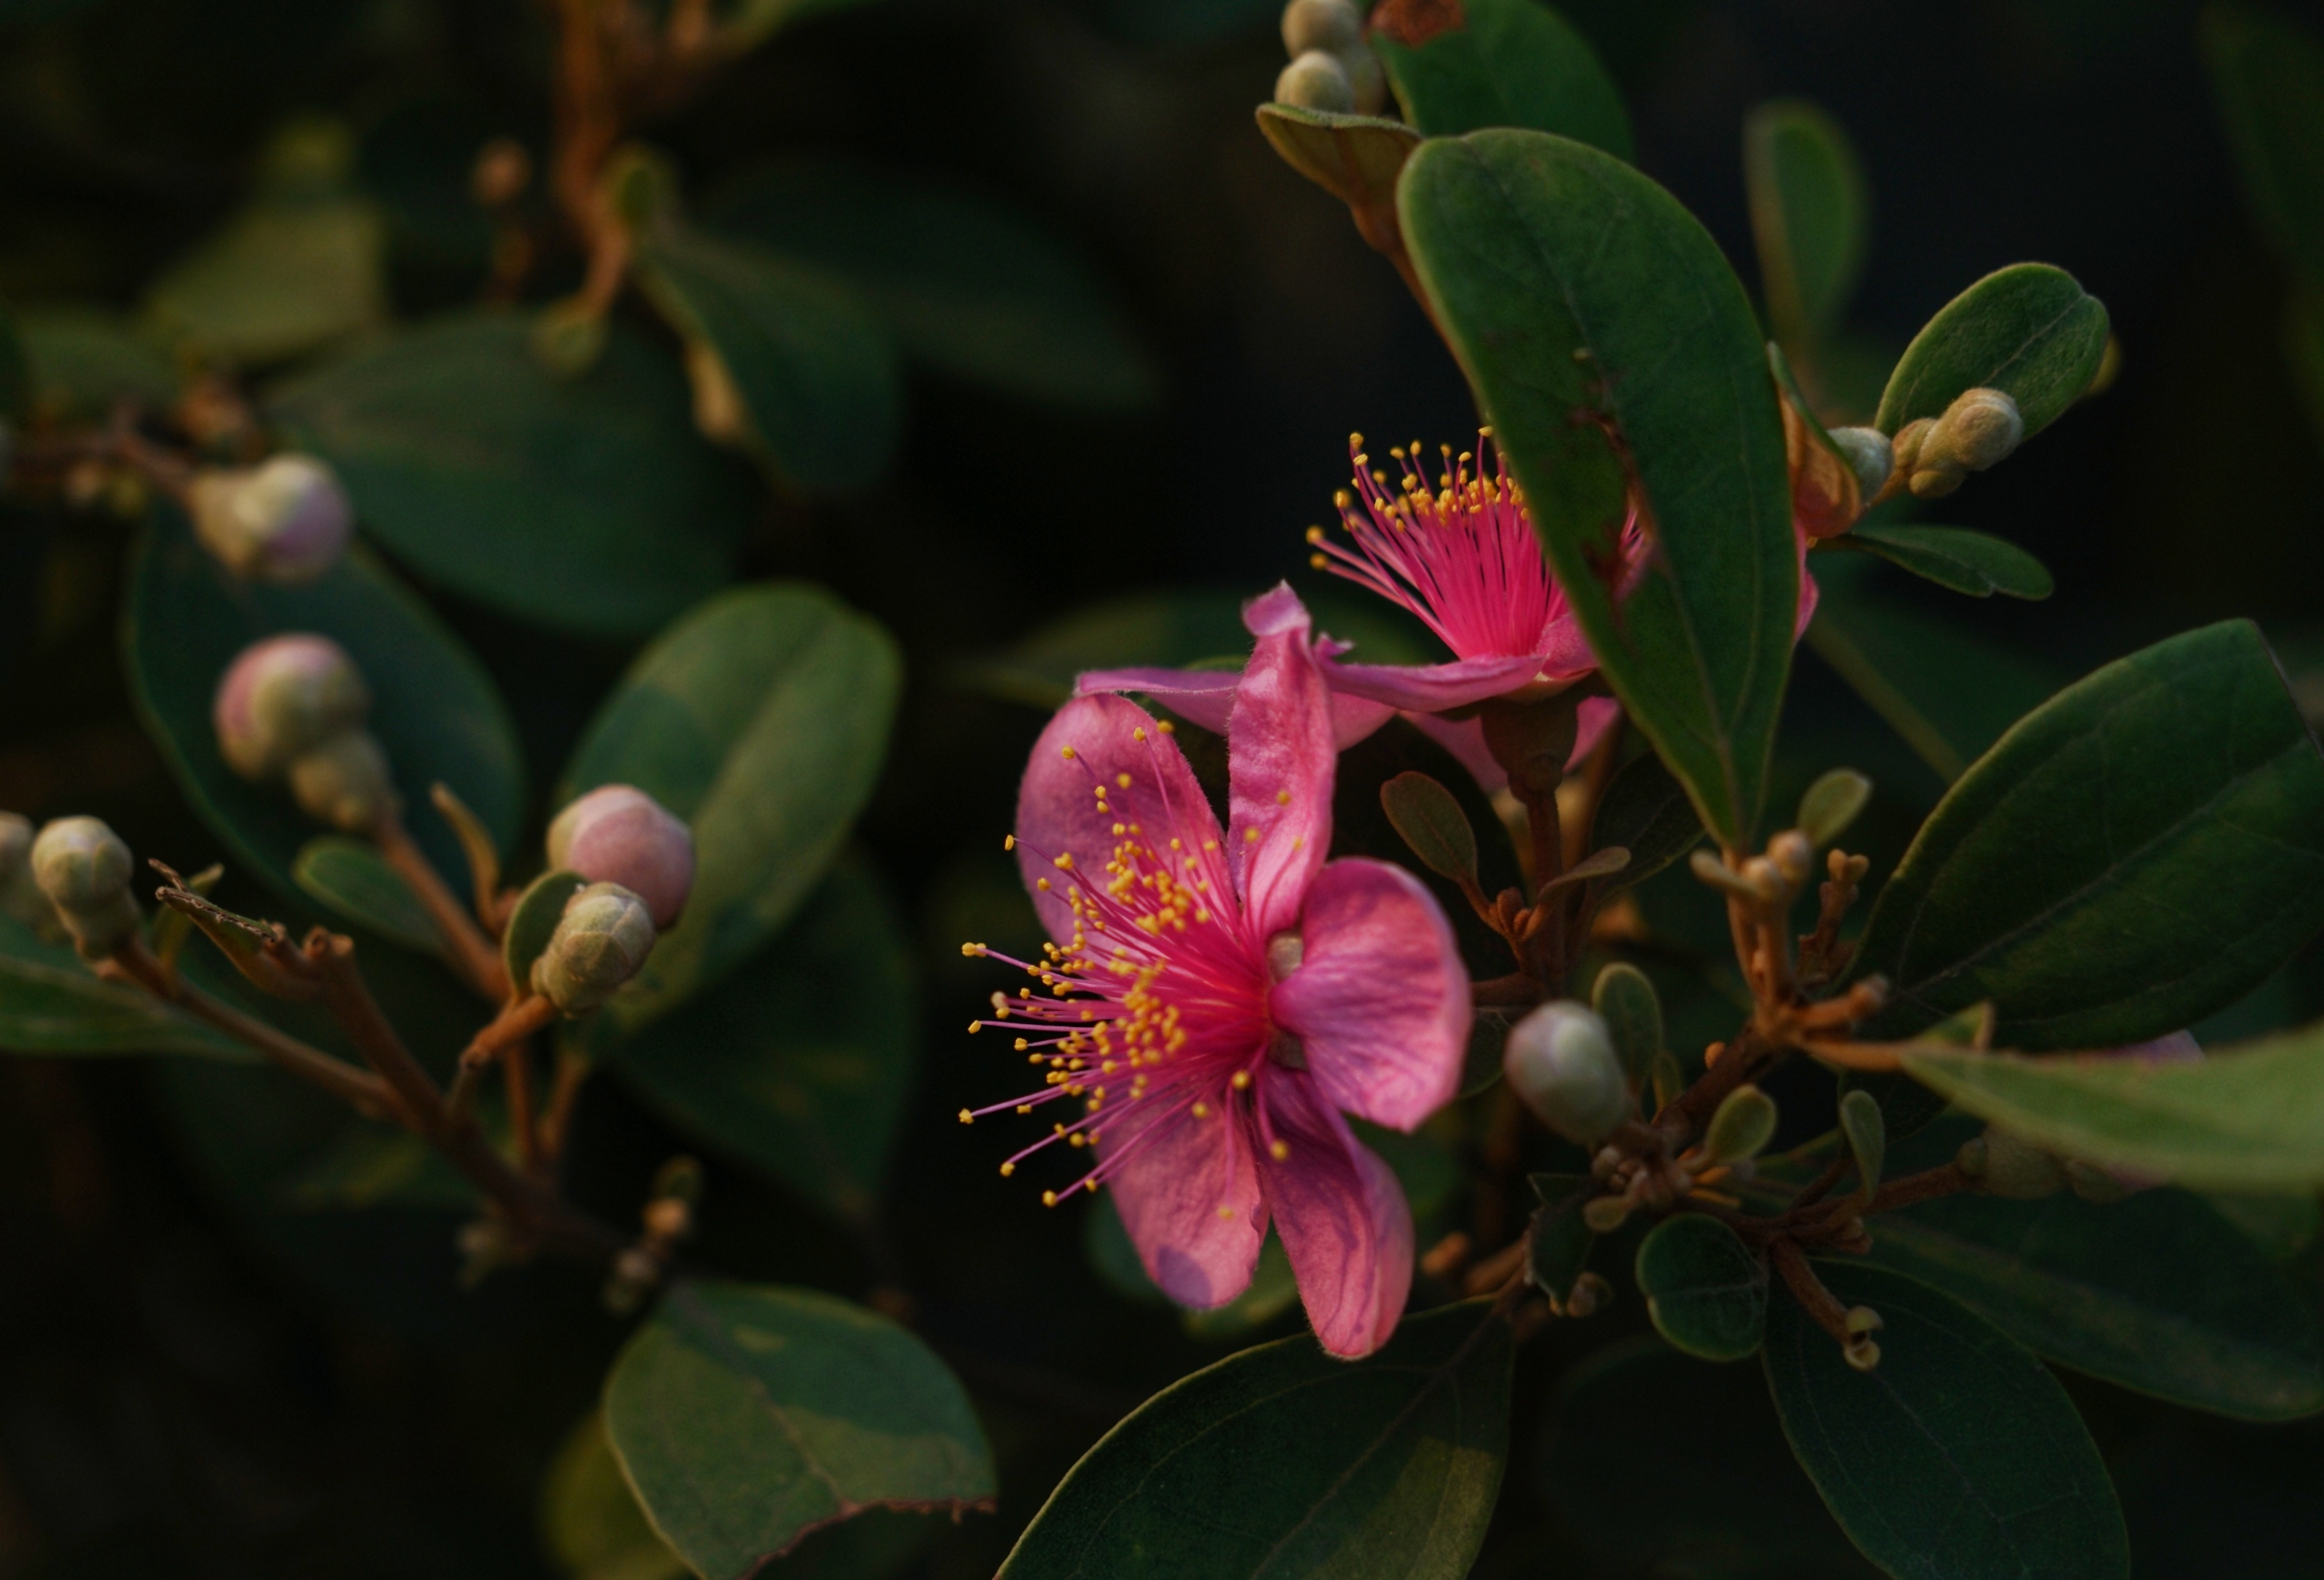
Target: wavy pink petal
{"points": [[1187, 1189], [1280, 758], [1341, 1217], [1202, 697], [1058, 805], [1433, 687], [1380, 1000]]}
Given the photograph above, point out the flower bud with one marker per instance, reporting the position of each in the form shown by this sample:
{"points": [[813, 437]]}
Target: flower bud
{"points": [[1559, 1060], [1977, 431], [345, 783], [20, 893], [1367, 78], [618, 834], [1330, 26], [2003, 1165], [1793, 855], [1744, 1124], [286, 520], [1869, 456], [1317, 81], [600, 942], [84, 869], [282, 699]]}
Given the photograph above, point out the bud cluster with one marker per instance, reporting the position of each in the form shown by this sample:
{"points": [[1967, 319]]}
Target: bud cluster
{"points": [[20, 895], [84, 870], [600, 941], [1977, 431], [639, 859], [292, 707], [1332, 67], [286, 520]]}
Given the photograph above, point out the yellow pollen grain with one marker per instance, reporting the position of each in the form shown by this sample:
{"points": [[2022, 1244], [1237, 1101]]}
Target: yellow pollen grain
{"points": [[1250, 836], [1239, 1080], [1226, 1213], [1066, 753], [1009, 841], [974, 1027], [1137, 734], [1048, 1198], [1279, 1151], [1123, 780], [966, 1117], [1007, 1170], [1064, 863], [1202, 1111], [1282, 797]]}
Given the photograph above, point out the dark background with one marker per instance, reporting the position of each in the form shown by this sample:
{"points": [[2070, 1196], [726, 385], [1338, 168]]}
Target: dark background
{"points": [[181, 1393]]}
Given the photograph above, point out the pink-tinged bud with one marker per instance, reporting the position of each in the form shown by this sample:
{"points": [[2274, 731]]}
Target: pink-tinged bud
{"points": [[618, 834], [285, 520], [602, 940], [282, 699], [1559, 1060], [84, 869]]}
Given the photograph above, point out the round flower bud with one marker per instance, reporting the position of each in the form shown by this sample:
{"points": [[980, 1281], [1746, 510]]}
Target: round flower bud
{"points": [[345, 783], [1794, 857], [1367, 78], [1869, 456], [2004, 1165], [1977, 431], [20, 893], [618, 834], [601, 940], [1330, 26], [282, 699], [286, 520], [1317, 81], [1560, 1061], [84, 869]]}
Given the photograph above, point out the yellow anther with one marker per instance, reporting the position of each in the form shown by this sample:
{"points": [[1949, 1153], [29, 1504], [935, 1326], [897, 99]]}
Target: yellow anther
{"points": [[1066, 753], [1282, 797], [1048, 1198], [1279, 1151], [1226, 1213], [1022, 1045], [1123, 780], [971, 950], [1250, 836], [1202, 1111], [1137, 734], [1239, 1080], [966, 1117], [1009, 841], [972, 1026], [1166, 727], [1007, 1170], [1091, 1185], [1064, 863], [1042, 884]]}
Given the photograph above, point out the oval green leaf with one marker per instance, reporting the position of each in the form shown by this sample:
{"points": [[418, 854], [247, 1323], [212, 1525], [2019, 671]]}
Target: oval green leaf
{"points": [[799, 1063], [966, 286], [353, 880], [50, 1002], [81, 361], [747, 1414], [1633, 1012], [433, 707], [1385, 1468], [591, 505], [2140, 852], [1705, 1290], [1958, 1456], [1581, 297], [1831, 804], [1810, 216], [1504, 63], [762, 719], [2029, 330], [822, 398], [1976, 563], [1646, 812], [1433, 823]]}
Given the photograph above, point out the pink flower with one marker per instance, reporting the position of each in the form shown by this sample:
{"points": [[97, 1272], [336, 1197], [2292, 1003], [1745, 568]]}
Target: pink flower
{"points": [[1214, 1002]]}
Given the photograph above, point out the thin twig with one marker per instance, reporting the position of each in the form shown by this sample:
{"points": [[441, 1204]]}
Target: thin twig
{"points": [[1820, 1302], [472, 955]]}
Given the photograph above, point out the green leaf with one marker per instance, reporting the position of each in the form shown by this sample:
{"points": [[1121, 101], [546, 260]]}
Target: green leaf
{"points": [[380, 1166], [1506, 63], [1646, 812], [353, 880], [800, 1063], [2268, 72], [822, 398], [1579, 296], [1557, 1242], [1385, 1466], [1866, 1131], [590, 506], [746, 1415], [50, 1002], [1633, 1012], [2028, 330], [1433, 823], [762, 719], [1355, 158], [1958, 1456], [530, 927], [1273, 1290], [2140, 851], [1810, 215], [589, 1522], [964, 285], [433, 708], [1705, 1289], [2249, 1117], [2156, 1293], [1976, 563], [83, 360], [1831, 804]]}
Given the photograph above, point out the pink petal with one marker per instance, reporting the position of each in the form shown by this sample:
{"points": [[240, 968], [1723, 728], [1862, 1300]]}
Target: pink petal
{"points": [[1380, 1000], [1280, 755], [1433, 687], [1808, 593], [1187, 1189], [1057, 810], [1202, 697], [1566, 652], [1341, 1217], [1465, 738]]}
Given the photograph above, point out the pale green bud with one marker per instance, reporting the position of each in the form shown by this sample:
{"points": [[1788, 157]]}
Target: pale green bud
{"points": [[282, 699], [1979, 430], [1869, 456], [285, 520], [1559, 1060], [1330, 26], [84, 869], [1743, 1126], [345, 783], [1317, 81], [602, 940], [1367, 78], [20, 893], [1794, 857]]}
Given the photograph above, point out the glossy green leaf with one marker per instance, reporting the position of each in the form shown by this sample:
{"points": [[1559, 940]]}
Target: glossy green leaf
{"points": [[800, 1063], [1705, 1289], [2028, 330], [964, 285], [530, 927], [2249, 1117], [1831, 804], [1504, 63], [433, 708], [2268, 72], [1557, 1242], [1387, 1466], [762, 719], [82, 360], [1571, 288], [591, 1523], [1811, 215], [746, 1415], [822, 398], [2140, 852], [354, 882], [1433, 823], [1646, 812], [1976, 563], [1958, 1456], [52, 1004], [590, 506]]}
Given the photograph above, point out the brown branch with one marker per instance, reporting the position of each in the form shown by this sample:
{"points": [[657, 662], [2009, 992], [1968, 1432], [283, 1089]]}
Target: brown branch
{"points": [[1821, 1304], [472, 954]]}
